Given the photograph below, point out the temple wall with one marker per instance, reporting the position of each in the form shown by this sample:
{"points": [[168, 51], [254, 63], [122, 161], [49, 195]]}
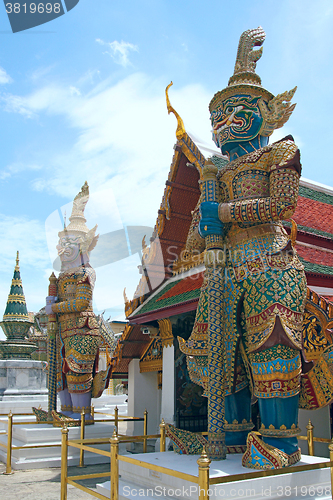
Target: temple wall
{"points": [[142, 394], [168, 385]]}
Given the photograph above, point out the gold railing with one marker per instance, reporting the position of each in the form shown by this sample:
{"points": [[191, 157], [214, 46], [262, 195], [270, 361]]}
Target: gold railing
{"points": [[85, 444], [311, 439], [115, 419], [202, 479]]}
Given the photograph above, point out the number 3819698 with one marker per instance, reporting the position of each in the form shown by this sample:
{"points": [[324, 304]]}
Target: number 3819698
{"points": [[33, 8]]}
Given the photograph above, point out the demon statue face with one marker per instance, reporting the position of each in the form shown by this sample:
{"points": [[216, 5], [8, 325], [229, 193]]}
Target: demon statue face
{"points": [[245, 111], [236, 119]]}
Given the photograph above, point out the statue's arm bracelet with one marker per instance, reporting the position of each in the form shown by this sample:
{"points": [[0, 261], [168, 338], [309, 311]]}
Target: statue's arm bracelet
{"points": [[81, 301], [279, 205]]}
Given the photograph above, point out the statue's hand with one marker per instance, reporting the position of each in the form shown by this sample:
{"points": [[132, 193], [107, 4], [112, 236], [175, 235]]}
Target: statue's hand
{"points": [[210, 222], [49, 301]]}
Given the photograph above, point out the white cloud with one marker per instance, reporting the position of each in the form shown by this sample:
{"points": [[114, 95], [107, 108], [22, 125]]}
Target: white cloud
{"points": [[16, 104], [119, 51], [124, 146], [74, 90], [40, 73], [27, 236], [124, 139], [16, 168], [4, 77]]}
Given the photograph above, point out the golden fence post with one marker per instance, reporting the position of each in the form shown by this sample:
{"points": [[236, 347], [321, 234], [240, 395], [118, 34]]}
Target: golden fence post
{"points": [[145, 430], [203, 480], [310, 438], [64, 455], [9, 443], [114, 442], [83, 421], [116, 418], [162, 438], [92, 411]]}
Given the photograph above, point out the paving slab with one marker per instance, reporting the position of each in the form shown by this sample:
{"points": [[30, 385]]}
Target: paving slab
{"points": [[44, 484]]}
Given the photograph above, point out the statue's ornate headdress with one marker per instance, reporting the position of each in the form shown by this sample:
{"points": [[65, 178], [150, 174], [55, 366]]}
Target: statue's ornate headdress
{"points": [[77, 225], [275, 110]]}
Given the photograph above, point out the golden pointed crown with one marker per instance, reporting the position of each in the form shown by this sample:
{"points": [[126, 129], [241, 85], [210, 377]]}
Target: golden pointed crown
{"points": [[275, 110], [77, 225]]}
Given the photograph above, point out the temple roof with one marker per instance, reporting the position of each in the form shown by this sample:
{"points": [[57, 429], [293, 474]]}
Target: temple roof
{"points": [[132, 344], [314, 212], [16, 308], [181, 291]]}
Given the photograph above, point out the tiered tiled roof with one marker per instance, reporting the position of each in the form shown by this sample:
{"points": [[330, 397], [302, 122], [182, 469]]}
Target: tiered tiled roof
{"points": [[314, 212], [314, 257], [181, 291], [131, 345]]}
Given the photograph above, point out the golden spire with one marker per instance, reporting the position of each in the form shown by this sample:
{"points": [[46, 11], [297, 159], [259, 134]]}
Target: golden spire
{"points": [[16, 308], [180, 132], [17, 267]]}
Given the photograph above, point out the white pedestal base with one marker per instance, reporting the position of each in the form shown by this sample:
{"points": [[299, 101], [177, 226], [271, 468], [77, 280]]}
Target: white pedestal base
{"points": [[22, 385], [22, 403], [137, 481], [107, 403], [37, 458]]}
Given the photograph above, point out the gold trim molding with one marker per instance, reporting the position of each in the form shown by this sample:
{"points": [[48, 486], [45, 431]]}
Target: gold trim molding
{"points": [[166, 332]]}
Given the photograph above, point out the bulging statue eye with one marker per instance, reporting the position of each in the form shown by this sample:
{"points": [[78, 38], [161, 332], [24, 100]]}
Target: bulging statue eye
{"points": [[229, 109]]}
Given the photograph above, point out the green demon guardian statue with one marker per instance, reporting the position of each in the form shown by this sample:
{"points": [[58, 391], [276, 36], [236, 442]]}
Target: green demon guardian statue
{"points": [[256, 310], [78, 339]]}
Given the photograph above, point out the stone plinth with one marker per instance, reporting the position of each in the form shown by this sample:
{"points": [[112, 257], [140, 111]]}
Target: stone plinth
{"points": [[17, 349], [22, 385]]}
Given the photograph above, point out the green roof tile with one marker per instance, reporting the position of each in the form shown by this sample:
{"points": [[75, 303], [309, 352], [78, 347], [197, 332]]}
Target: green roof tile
{"points": [[155, 304], [310, 267], [310, 230], [315, 195]]}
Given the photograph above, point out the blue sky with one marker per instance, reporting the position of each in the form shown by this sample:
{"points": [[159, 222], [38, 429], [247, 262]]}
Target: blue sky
{"points": [[82, 98]]}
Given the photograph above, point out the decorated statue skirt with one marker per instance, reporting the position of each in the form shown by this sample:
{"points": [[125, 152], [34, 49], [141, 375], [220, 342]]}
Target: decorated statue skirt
{"points": [[78, 354], [250, 309]]}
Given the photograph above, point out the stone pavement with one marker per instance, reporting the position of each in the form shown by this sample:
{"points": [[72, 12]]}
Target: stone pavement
{"points": [[44, 484]]}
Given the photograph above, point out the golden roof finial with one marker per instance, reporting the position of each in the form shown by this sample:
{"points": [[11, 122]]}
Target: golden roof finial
{"points": [[180, 132], [17, 267]]}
